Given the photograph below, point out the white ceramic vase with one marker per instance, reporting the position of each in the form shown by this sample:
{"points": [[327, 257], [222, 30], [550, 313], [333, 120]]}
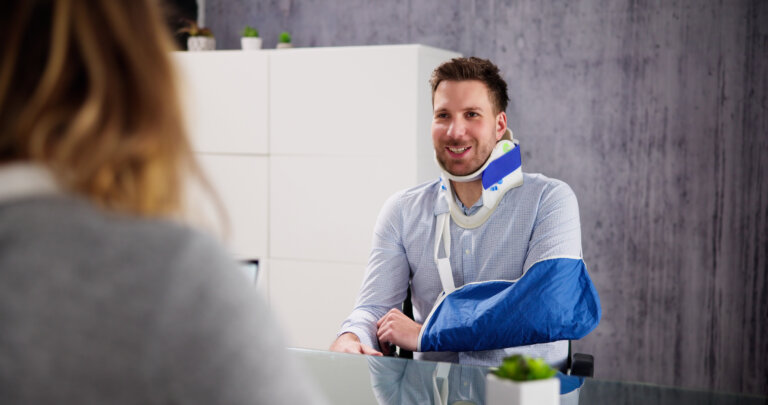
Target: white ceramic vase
{"points": [[201, 43], [250, 43], [500, 391], [284, 45]]}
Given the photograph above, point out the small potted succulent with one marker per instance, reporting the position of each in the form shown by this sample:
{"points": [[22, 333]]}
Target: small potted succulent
{"points": [[284, 40], [250, 40], [521, 380], [200, 38]]}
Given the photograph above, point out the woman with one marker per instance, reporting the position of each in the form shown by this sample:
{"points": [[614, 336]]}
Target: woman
{"points": [[103, 298]]}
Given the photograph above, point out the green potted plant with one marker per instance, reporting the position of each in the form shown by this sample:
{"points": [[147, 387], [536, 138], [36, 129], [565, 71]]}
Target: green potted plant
{"points": [[200, 38], [284, 40], [250, 40], [521, 380]]}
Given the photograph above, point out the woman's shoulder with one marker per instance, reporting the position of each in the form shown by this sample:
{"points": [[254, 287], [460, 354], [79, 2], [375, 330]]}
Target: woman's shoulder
{"points": [[66, 226]]}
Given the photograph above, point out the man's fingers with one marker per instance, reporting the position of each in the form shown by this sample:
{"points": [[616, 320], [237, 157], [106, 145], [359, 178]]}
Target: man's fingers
{"points": [[369, 350], [394, 312], [346, 343], [381, 333], [382, 320], [387, 335], [397, 329], [350, 343]]}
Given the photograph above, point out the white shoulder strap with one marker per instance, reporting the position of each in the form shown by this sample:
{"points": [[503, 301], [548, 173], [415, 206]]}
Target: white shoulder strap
{"points": [[442, 370], [443, 232]]}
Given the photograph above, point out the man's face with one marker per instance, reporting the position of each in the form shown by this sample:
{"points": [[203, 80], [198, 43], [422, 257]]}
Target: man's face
{"points": [[465, 127]]}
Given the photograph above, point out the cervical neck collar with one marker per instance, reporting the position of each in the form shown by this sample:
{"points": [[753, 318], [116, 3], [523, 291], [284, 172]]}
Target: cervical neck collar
{"points": [[500, 173]]}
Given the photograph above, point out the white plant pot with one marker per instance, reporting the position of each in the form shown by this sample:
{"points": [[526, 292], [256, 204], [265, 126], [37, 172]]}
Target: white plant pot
{"points": [[250, 43], [500, 391], [284, 45], [201, 43]]}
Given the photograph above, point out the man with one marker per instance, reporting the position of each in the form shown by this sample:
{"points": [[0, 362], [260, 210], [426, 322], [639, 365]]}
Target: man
{"points": [[502, 223]]}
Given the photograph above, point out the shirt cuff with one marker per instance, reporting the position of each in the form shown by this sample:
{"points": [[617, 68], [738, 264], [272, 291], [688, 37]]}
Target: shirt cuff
{"points": [[363, 334]]}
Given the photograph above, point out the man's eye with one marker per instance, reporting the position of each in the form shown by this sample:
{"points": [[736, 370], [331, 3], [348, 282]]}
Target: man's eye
{"points": [[441, 115], [472, 114]]}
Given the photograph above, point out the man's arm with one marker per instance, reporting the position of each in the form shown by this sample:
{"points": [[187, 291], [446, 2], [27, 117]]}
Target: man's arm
{"points": [[554, 300], [394, 328], [557, 230], [384, 285]]}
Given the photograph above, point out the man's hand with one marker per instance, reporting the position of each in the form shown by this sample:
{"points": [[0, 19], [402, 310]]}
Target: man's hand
{"points": [[350, 343], [398, 329]]}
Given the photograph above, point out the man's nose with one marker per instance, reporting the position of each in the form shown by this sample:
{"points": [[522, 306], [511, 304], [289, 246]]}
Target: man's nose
{"points": [[456, 128]]}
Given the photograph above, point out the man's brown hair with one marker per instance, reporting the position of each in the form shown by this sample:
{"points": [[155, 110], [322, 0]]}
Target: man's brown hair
{"points": [[472, 68]]}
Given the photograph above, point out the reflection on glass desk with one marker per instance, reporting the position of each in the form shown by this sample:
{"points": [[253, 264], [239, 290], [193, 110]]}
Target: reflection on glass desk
{"points": [[358, 379]]}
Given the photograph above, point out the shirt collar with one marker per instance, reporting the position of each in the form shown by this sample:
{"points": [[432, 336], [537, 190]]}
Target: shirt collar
{"points": [[471, 210], [21, 180], [441, 205]]}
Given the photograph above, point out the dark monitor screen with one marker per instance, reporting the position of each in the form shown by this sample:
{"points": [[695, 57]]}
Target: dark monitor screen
{"points": [[250, 268]]}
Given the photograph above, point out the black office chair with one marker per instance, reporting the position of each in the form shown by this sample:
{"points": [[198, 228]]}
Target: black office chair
{"points": [[408, 311], [578, 364]]}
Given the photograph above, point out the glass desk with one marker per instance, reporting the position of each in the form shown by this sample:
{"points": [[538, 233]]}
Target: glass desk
{"points": [[357, 379]]}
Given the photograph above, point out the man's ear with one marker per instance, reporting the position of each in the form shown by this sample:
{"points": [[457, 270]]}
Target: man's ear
{"points": [[501, 125]]}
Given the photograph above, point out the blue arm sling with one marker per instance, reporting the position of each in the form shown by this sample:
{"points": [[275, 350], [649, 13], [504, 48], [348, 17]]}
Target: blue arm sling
{"points": [[554, 300]]}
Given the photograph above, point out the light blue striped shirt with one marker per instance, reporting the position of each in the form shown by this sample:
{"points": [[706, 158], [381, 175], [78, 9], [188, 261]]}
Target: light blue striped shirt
{"points": [[536, 221]]}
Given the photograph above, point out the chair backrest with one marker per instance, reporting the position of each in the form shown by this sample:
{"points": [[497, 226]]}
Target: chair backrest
{"points": [[408, 311]]}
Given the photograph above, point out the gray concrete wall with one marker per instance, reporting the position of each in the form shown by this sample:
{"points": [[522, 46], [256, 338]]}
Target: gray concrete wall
{"points": [[655, 113]]}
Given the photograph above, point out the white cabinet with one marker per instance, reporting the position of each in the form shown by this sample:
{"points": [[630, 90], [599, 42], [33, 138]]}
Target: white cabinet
{"points": [[344, 101], [311, 298], [226, 100], [241, 181], [325, 207], [304, 146]]}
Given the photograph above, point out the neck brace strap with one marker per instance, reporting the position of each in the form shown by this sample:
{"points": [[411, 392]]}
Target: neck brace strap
{"points": [[500, 173]]}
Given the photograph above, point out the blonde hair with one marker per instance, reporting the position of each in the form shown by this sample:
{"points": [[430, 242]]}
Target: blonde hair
{"points": [[87, 89]]}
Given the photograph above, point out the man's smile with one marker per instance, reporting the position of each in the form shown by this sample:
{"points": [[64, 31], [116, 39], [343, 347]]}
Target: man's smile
{"points": [[455, 152]]}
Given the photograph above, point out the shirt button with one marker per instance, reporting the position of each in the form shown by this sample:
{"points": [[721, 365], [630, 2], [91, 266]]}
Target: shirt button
{"points": [[466, 251]]}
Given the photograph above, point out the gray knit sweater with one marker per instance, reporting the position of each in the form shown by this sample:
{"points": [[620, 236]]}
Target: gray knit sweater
{"points": [[101, 308]]}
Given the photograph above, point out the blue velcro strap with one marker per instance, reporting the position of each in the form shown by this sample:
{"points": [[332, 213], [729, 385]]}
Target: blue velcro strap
{"points": [[499, 168], [554, 300]]}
